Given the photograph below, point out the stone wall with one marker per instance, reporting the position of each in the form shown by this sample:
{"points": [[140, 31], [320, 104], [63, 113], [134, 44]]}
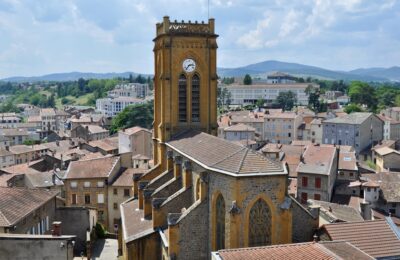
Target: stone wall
{"points": [[304, 224]]}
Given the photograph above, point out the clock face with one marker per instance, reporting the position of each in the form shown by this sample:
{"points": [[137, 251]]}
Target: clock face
{"points": [[189, 65]]}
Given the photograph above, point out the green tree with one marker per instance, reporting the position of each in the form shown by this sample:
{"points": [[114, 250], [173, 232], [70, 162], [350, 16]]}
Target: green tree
{"points": [[223, 97], [247, 80], [51, 102], [352, 108], [260, 102], [397, 100], [135, 115], [363, 94], [286, 100]]}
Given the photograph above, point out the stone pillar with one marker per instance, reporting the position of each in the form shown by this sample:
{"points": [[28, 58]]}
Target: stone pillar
{"points": [[159, 218], [147, 208], [187, 174], [170, 160], [173, 235], [142, 185], [177, 166], [135, 187], [203, 186]]}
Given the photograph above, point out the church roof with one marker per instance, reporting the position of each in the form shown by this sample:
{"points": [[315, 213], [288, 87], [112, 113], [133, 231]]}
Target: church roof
{"points": [[220, 155]]}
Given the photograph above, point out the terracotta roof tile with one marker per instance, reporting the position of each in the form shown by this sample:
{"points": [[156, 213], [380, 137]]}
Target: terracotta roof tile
{"points": [[126, 178], [374, 237], [317, 160], [134, 130], [94, 168]]}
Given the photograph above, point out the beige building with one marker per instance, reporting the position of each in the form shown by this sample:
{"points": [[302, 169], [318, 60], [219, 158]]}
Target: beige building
{"points": [[6, 158], [89, 132], [281, 127], [387, 159], [25, 153], [137, 140]]}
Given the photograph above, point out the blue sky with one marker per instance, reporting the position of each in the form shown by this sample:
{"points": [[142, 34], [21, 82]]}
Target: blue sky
{"points": [[47, 36]]}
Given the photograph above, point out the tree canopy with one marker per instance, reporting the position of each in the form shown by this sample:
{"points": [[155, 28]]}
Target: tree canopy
{"points": [[286, 100], [247, 80], [135, 115]]}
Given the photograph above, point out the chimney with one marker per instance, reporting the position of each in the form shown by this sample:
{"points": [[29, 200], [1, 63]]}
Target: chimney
{"points": [[366, 210], [56, 231]]}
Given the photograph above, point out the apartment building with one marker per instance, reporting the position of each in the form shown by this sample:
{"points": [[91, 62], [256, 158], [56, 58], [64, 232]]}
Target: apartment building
{"points": [[316, 173], [135, 90], [10, 137], [281, 127], [25, 153], [112, 106]]}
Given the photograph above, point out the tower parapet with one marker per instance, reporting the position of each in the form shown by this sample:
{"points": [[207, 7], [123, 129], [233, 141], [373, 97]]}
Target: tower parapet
{"points": [[175, 27]]}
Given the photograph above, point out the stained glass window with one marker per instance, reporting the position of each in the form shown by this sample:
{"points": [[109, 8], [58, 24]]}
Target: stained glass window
{"points": [[260, 224], [182, 98], [195, 98], [220, 221]]}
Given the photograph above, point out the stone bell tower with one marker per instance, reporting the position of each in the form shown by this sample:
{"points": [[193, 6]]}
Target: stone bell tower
{"points": [[185, 80]]}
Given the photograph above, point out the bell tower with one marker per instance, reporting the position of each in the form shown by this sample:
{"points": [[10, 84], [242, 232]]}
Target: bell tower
{"points": [[185, 80]]}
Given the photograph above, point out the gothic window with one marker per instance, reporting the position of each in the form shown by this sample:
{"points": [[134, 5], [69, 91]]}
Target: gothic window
{"points": [[195, 98], [260, 224], [220, 222], [182, 98]]}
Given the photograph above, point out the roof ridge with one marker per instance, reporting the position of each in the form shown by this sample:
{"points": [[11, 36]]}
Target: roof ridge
{"points": [[5, 218], [228, 156], [242, 160]]}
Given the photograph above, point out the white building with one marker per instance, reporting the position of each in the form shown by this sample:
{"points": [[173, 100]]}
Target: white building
{"points": [[112, 106], [249, 94], [135, 90]]}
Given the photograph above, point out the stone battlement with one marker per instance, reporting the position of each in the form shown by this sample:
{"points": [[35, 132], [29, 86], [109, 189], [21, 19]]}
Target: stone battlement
{"points": [[175, 27]]}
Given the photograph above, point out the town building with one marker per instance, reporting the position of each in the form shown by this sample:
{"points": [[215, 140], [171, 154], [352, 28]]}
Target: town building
{"points": [[281, 127], [112, 106], [392, 112], [249, 94], [239, 132], [135, 90], [280, 78], [6, 158], [27, 153], [135, 140], [387, 159], [10, 137], [360, 129], [89, 132], [316, 173]]}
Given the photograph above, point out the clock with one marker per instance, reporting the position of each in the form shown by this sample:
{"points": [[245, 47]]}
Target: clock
{"points": [[189, 65]]}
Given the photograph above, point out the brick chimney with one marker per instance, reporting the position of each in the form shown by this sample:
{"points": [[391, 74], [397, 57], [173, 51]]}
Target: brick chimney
{"points": [[56, 231]]}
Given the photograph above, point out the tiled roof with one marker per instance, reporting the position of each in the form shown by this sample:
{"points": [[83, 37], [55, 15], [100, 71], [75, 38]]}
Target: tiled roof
{"points": [[107, 144], [347, 161], [13, 132], [271, 148], [47, 112], [283, 115], [43, 179], [4, 152], [16, 203], [126, 178], [133, 224], [389, 183], [240, 127], [134, 130], [317, 160], [94, 168], [375, 237], [301, 142], [355, 118], [223, 156], [95, 129], [300, 251], [385, 151], [335, 212], [19, 149]]}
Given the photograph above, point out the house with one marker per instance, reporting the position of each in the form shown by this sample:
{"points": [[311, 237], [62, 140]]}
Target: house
{"points": [[104, 146], [136, 140], [282, 127], [252, 119], [316, 173], [10, 137], [6, 158], [89, 132], [378, 238], [26, 211], [360, 129], [347, 172], [387, 159], [27, 153], [392, 112], [311, 250], [87, 182], [239, 132]]}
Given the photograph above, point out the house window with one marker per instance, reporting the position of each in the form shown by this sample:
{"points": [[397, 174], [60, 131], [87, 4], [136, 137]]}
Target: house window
{"points": [[100, 184], [182, 85], [74, 200], [115, 191], [260, 224], [100, 215], [115, 206], [87, 198], [100, 198], [304, 197], [318, 182], [317, 196], [74, 184], [86, 184], [195, 98], [304, 181], [289, 135], [220, 222], [126, 193]]}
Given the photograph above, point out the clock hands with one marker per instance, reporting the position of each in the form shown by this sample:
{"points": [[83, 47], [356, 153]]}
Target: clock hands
{"points": [[189, 65]]}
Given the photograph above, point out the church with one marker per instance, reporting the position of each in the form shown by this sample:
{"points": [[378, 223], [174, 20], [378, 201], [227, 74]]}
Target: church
{"points": [[203, 193]]}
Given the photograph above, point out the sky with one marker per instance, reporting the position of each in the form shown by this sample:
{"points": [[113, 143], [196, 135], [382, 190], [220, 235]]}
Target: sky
{"points": [[39, 37]]}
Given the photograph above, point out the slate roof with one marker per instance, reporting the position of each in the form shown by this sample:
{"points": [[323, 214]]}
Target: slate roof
{"points": [[16, 203], [300, 251], [355, 118], [335, 212], [317, 160], [220, 155], [94, 168], [375, 237]]}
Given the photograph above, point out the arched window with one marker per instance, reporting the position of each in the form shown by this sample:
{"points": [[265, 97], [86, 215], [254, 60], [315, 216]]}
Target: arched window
{"points": [[220, 222], [260, 224], [195, 98], [182, 85]]}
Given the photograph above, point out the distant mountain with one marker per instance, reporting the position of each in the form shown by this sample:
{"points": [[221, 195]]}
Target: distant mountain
{"points": [[392, 73], [296, 69], [72, 76]]}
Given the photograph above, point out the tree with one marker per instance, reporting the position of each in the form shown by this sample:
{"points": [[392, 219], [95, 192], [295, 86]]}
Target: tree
{"points": [[135, 115], [260, 102], [363, 94], [286, 100], [224, 97], [51, 101], [130, 78], [350, 108], [247, 80], [313, 97]]}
